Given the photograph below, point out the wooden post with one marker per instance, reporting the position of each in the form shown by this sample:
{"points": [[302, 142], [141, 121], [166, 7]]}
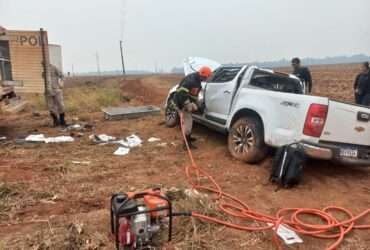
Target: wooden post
{"points": [[45, 61]]}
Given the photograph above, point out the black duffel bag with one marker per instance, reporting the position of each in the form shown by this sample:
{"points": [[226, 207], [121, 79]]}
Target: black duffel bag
{"points": [[288, 165]]}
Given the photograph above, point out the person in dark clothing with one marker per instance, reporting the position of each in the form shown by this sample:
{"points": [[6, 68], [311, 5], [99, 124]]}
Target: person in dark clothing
{"points": [[302, 73], [186, 99], [366, 100], [362, 85]]}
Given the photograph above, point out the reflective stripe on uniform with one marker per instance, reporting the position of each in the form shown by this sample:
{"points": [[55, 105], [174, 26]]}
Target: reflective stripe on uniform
{"points": [[172, 104], [182, 89], [194, 98]]}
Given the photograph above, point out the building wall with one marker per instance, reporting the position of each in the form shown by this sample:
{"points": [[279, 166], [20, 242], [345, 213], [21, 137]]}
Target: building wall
{"points": [[27, 60]]}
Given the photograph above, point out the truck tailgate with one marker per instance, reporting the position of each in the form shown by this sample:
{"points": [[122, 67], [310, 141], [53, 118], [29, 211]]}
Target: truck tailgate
{"points": [[347, 123]]}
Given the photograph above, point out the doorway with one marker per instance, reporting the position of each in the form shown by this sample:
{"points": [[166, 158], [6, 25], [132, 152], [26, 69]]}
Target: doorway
{"points": [[5, 64]]}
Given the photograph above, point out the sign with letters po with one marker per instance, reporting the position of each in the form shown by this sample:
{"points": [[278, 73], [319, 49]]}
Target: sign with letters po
{"points": [[29, 40]]}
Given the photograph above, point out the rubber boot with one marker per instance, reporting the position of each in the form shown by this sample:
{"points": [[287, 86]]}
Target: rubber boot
{"points": [[192, 139], [62, 121], [191, 145], [55, 120]]}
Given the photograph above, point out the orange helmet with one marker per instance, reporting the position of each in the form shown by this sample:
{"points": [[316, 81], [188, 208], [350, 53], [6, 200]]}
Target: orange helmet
{"points": [[205, 72]]}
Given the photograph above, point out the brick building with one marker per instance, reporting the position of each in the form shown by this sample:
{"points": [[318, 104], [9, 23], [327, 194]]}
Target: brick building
{"points": [[25, 58]]}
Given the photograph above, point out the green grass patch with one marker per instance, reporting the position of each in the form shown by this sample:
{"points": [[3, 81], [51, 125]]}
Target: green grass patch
{"points": [[42, 195], [87, 97], [91, 99], [6, 191]]}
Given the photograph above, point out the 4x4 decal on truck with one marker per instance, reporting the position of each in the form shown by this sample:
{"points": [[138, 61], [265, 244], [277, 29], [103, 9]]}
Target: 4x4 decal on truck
{"points": [[290, 104]]}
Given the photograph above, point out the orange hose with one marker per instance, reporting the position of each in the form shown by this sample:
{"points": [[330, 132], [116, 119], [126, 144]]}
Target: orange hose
{"points": [[232, 206]]}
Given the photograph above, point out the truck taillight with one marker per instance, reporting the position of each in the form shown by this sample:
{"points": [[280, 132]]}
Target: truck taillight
{"points": [[315, 120]]}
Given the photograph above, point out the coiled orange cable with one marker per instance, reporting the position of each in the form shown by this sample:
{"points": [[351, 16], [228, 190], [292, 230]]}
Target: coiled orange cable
{"points": [[232, 206]]}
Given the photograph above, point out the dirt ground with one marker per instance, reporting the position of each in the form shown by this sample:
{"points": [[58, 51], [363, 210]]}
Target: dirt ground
{"points": [[48, 202]]}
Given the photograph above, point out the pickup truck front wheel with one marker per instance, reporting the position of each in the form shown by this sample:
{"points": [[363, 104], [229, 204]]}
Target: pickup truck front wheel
{"points": [[246, 140]]}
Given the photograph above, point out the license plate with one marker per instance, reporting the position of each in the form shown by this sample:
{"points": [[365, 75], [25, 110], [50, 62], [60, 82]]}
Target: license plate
{"points": [[352, 153]]}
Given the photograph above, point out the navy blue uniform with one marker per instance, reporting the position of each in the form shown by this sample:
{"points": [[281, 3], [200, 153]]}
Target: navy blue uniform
{"points": [[188, 89], [304, 74], [362, 88]]}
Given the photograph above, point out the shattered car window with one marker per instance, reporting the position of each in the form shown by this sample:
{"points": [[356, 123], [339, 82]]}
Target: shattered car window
{"points": [[276, 82], [225, 74]]}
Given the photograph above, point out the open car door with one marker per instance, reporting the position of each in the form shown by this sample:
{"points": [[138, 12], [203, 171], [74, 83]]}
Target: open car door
{"points": [[220, 92], [193, 64]]}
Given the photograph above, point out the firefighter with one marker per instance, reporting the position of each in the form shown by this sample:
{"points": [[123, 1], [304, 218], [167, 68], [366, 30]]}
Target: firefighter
{"points": [[362, 84], [302, 73], [54, 97], [186, 98]]}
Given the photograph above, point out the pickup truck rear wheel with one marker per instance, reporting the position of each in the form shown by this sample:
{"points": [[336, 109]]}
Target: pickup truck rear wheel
{"points": [[172, 118], [246, 140]]}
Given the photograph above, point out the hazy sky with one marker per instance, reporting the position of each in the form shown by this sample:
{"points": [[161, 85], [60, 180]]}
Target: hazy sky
{"points": [[163, 32]]}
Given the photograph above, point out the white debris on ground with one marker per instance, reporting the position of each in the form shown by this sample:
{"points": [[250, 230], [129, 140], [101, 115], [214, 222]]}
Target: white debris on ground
{"points": [[35, 138], [102, 138], [78, 127], [154, 139], [287, 235], [59, 139], [81, 162], [75, 127], [122, 151], [2, 138], [126, 144], [51, 200], [121, 142], [42, 138], [192, 193], [133, 141], [129, 142]]}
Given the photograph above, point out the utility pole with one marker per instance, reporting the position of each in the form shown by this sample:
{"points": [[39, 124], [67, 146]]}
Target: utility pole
{"points": [[98, 63], [123, 62], [45, 62], [156, 68]]}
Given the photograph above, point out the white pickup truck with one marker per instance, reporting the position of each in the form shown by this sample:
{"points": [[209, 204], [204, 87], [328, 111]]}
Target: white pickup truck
{"points": [[260, 108]]}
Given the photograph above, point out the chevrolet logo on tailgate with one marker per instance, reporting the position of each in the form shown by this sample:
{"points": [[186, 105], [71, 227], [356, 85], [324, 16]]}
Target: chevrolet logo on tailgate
{"points": [[362, 116]]}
